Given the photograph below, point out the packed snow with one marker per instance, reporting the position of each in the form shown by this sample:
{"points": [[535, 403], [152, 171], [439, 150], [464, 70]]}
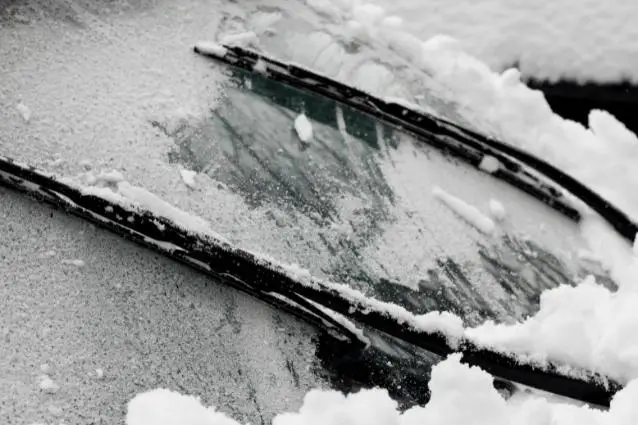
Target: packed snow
{"points": [[587, 326], [459, 395], [110, 177], [468, 212], [303, 127]]}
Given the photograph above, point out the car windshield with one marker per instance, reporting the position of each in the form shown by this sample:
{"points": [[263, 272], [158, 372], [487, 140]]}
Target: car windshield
{"points": [[114, 101], [363, 203]]}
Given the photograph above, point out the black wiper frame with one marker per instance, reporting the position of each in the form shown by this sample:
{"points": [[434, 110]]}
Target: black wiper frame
{"points": [[276, 285]]}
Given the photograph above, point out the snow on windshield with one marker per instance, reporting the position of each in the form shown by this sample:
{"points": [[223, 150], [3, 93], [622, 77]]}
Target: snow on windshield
{"points": [[597, 323]]}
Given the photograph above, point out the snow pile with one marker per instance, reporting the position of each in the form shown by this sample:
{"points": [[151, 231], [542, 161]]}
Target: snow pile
{"points": [[602, 156], [459, 395]]}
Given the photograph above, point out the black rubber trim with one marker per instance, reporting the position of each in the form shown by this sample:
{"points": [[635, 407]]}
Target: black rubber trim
{"points": [[464, 143], [273, 284]]}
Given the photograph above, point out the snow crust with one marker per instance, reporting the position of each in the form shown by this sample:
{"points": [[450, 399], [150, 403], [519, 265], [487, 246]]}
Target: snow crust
{"points": [[460, 395]]}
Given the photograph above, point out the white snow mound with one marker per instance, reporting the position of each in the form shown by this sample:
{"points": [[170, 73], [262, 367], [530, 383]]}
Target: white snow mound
{"points": [[303, 127]]}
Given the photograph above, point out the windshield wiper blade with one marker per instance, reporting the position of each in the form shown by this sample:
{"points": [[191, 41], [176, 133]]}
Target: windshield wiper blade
{"points": [[519, 168], [290, 290]]}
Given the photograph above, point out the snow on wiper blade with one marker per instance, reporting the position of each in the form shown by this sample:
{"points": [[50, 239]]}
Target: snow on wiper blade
{"points": [[517, 167], [327, 304]]}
